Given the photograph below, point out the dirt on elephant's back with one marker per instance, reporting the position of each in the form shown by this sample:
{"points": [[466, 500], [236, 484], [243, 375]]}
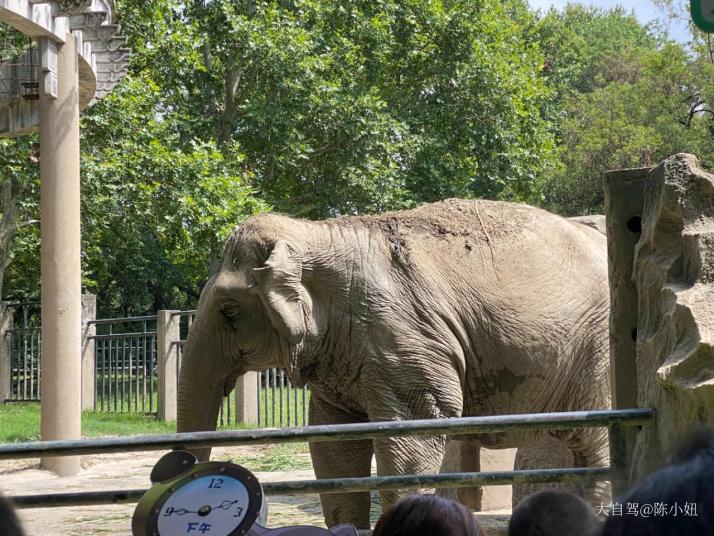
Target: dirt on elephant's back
{"points": [[476, 219]]}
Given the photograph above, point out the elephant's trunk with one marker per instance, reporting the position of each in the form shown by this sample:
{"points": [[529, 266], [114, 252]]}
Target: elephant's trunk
{"points": [[200, 387]]}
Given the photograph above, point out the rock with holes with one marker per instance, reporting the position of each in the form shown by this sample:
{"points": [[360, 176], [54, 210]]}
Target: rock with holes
{"points": [[674, 276]]}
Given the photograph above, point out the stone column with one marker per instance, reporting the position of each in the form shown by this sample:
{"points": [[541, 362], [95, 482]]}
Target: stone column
{"points": [[167, 332], [624, 198], [247, 399], [89, 312], [6, 325], [60, 264]]}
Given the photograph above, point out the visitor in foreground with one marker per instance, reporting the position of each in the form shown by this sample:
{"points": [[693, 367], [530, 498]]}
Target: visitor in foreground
{"points": [[427, 515], [553, 512], [9, 524], [682, 491]]}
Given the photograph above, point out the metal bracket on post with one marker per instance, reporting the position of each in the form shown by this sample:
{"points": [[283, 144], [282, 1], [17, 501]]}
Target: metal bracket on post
{"points": [[48, 52]]}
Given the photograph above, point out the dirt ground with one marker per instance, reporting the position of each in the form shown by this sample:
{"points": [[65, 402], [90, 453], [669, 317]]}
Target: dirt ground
{"points": [[131, 471]]}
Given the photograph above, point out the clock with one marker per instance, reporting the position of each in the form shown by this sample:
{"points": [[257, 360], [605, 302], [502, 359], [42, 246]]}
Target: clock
{"points": [[198, 499]]}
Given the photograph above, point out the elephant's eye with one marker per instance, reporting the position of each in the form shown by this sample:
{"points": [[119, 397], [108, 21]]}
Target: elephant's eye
{"points": [[230, 311]]}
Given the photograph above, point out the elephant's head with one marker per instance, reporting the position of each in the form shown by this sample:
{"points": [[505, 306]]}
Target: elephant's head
{"points": [[255, 313]]}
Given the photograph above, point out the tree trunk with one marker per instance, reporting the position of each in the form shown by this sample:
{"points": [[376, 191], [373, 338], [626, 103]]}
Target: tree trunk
{"points": [[9, 224]]}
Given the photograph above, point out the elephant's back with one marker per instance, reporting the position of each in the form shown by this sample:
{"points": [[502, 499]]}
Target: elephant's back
{"points": [[476, 219], [457, 234]]}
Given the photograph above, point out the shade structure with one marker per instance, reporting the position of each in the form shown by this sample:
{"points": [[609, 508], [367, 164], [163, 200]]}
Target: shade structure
{"points": [[77, 57]]}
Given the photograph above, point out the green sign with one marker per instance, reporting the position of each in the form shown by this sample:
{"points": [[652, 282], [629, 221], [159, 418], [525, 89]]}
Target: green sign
{"points": [[703, 14]]}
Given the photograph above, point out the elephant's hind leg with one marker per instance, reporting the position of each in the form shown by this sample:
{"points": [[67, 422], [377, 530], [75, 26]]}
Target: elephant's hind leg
{"points": [[341, 459], [462, 456], [590, 449], [541, 451]]}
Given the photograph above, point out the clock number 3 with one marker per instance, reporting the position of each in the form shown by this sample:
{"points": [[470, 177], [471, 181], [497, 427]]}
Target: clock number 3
{"points": [[239, 512], [216, 483]]}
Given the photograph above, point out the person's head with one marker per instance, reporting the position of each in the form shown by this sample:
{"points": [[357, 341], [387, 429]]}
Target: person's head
{"points": [[9, 524], [677, 499], [553, 513], [427, 515]]}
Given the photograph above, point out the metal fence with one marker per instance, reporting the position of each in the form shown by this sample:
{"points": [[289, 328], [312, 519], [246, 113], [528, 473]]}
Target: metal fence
{"points": [[279, 403], [125, 364], [25, 350], [125, 371], [614, 420]]}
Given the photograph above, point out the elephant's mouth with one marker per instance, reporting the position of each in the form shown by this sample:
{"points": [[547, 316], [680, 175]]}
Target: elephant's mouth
{"points": [[229, 382]]}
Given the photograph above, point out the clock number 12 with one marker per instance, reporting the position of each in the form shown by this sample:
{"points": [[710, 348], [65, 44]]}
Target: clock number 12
{"points": [[216, 483]]}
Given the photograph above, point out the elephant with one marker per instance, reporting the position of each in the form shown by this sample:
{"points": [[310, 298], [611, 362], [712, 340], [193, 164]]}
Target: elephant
{"points": [[455, 308]]}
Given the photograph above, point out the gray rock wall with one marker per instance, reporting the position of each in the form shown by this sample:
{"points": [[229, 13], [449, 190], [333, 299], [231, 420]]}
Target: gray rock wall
{"points": [[674, 279]]}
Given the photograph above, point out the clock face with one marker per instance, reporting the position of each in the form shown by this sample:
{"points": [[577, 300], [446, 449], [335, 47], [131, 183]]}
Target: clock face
{"points": [[213, 505]]}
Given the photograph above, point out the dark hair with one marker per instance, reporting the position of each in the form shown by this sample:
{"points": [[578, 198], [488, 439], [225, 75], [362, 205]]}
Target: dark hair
{"points": [[679, 497], [553, 512], [9, 524], [427, 515], [699, 443]]}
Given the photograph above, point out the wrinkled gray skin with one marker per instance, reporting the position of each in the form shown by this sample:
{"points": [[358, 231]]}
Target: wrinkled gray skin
{"points": [[458, 308]]}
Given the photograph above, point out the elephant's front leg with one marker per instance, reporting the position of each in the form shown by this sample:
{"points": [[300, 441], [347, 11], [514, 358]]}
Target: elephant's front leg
{"points": [[341, 459], [426, 386]]}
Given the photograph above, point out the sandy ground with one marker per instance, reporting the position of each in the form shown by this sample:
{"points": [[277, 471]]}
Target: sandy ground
{"points": [[131, 471]]}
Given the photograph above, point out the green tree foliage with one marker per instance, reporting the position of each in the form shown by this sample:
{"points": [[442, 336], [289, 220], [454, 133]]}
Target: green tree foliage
{"points": [[354, 106], [315, 108], [155, 212], [626, 99], [18, 176], [325, 107]]}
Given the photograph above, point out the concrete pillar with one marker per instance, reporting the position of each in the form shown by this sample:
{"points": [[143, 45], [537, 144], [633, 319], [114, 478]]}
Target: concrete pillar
{"points": [[60, 252], [624, 200], [6, 325], [89, 312], [167, 332], [247, 399]]}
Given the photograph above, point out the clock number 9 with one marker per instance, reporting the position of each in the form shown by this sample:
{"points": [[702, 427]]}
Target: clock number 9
{"points": [[216, 483]]}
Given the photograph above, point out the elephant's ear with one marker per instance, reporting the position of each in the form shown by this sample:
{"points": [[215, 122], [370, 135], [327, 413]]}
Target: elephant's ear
{"points": [[279, 285]]}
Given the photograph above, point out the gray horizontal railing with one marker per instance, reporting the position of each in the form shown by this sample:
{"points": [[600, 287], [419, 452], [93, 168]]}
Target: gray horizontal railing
{"points": [[126, 319], [614, 420], [339, 485], [332, 432]]}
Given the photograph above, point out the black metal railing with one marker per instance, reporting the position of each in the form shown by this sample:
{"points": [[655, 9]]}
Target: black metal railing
{"points": [[126, 375], [23, 342], [125, 364]]}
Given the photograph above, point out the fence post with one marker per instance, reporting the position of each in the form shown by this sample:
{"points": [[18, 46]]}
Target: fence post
{"points": [[6, 325], [618, 460], [624, 204], [247, 399], [89, 312], [167, 332]]}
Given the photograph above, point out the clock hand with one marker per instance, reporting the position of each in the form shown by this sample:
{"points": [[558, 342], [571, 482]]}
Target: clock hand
{"points": [[226, 505], [178, 511]]}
